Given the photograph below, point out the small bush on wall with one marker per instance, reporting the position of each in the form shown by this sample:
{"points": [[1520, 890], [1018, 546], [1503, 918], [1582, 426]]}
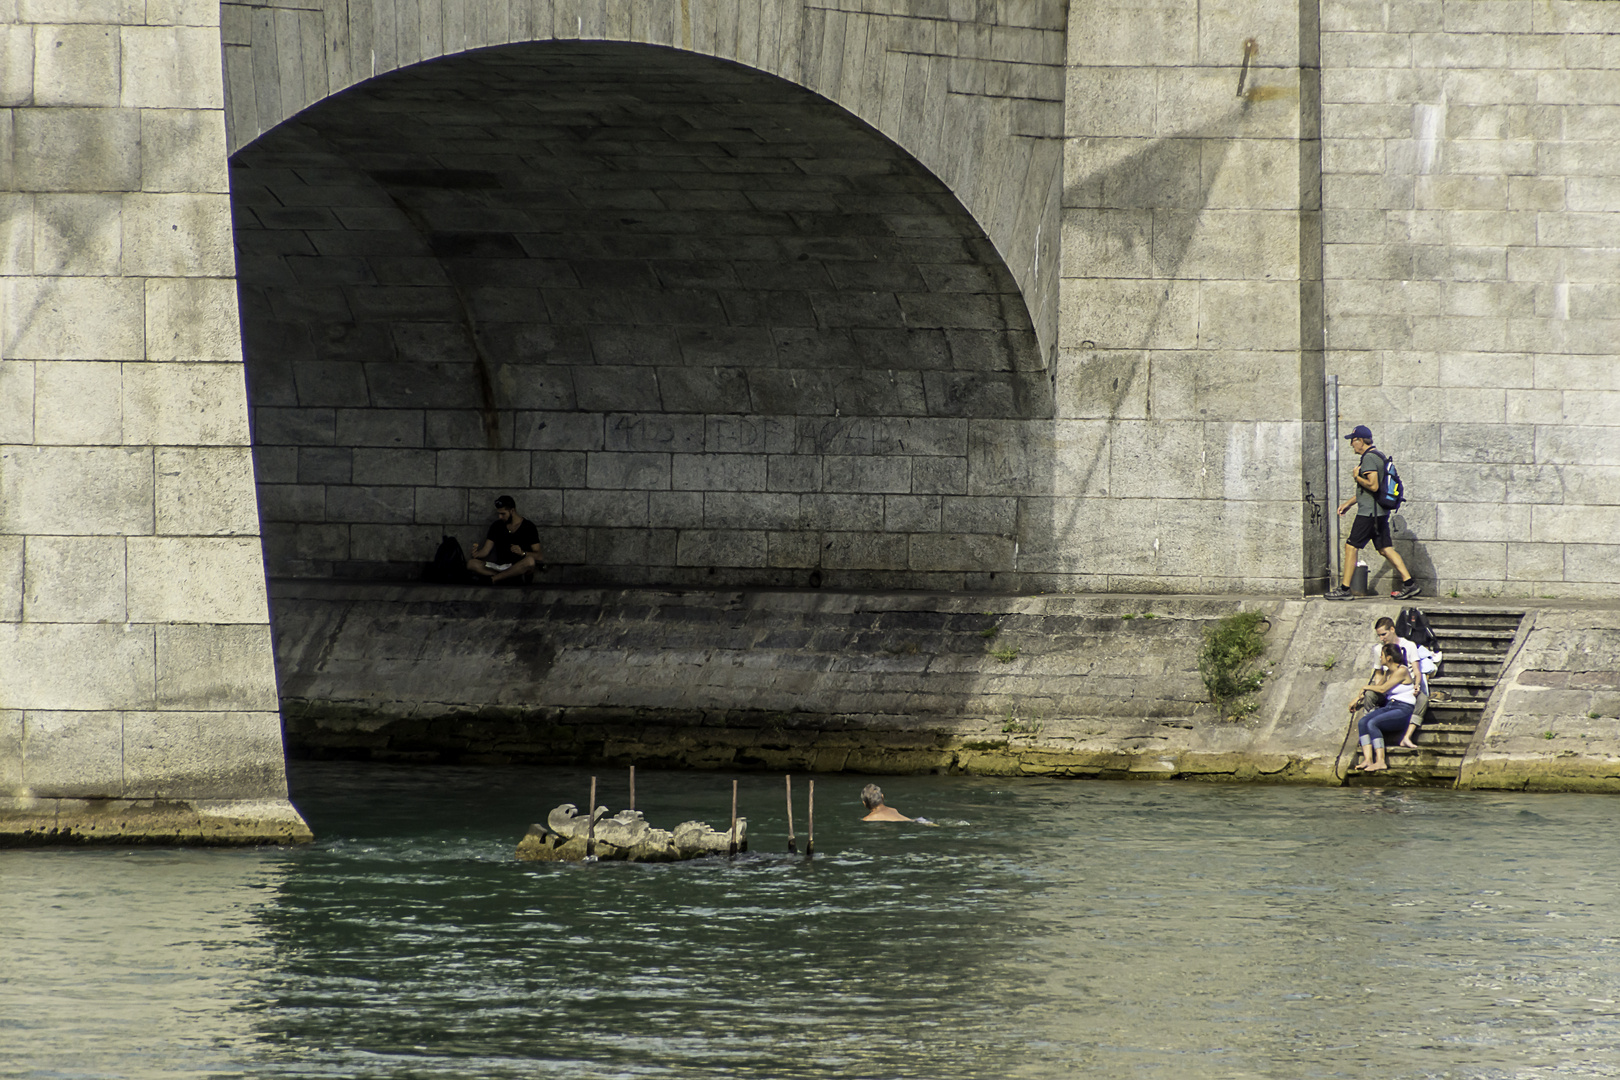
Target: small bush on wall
{"points": [[1228, 662]]}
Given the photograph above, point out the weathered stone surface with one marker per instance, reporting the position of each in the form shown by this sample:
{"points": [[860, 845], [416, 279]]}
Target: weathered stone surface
{"points": [[568, 836]]}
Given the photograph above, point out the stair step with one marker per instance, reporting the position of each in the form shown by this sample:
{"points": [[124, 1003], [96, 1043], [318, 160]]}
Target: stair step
{"points": [[1444, 681], [1445, 634]]}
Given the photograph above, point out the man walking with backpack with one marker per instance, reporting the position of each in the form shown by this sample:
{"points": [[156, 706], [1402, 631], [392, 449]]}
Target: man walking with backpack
{"points": [[1372, 519]]}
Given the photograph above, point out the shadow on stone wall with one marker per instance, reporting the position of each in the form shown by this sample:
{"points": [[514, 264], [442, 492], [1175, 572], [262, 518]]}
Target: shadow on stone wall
{"points": [[707, 327]]}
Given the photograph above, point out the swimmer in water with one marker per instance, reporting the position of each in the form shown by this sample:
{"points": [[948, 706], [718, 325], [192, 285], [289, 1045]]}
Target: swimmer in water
{"points": [[872, 796]]}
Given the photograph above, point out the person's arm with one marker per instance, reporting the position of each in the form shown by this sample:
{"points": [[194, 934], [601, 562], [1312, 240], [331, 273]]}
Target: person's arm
{"points": [[482, 550], [1393, 678]]}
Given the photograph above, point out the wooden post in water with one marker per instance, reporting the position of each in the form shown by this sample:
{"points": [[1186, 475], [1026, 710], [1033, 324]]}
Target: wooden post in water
{"points": [[810, 838], [732, 851], [632, 787], [793, 845], [590, 823]]}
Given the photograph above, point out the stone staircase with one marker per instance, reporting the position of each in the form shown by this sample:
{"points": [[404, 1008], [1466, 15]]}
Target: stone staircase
{"points": [[1474, 642]]}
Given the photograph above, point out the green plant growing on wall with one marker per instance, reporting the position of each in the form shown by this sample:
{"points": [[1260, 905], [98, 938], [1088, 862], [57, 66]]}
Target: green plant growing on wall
{"points": [[989, 633], [1006, 655], [1328, 664], [1227, 661]]}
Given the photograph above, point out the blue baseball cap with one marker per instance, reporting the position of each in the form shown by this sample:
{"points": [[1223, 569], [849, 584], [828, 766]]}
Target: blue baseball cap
{"points": [[1361, 432]]}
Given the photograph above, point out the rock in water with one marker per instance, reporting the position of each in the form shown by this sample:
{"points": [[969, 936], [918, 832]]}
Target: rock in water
{"points": [[625, 836]]}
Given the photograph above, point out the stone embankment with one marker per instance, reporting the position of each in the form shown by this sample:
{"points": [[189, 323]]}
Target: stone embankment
{"points": [[804, 680]]}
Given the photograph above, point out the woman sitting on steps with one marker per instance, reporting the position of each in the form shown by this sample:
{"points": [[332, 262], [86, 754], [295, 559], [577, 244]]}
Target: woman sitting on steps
{"points": [[1399, 698]]}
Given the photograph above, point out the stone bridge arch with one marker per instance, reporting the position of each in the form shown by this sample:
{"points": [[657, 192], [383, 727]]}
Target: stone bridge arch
{"points": [[974, 92], [705, 324]]}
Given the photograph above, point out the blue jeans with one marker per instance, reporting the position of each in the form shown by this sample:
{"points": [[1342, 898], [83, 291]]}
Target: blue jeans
{"points": [[1389, 721]]}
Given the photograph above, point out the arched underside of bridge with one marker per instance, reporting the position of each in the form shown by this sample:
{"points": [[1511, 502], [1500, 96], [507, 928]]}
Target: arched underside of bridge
{"points": [[705, 325]]}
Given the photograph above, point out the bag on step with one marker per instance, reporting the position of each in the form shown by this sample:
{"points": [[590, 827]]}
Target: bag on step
{"points": [[449, 565], [1412, 625]]}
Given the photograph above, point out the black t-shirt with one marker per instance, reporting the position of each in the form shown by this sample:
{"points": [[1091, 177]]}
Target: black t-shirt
{"points": [[524, 536]]}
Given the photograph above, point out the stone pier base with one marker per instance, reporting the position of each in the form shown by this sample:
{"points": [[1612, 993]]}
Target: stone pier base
{"points": [[215, 822]]}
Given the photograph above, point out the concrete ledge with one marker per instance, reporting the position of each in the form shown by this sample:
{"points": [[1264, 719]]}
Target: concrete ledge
{"points": [[46, 822], [889, 682]]}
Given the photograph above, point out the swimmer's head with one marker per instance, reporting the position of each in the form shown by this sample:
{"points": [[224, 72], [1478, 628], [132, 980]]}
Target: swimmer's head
{"points": [[872, 796]]}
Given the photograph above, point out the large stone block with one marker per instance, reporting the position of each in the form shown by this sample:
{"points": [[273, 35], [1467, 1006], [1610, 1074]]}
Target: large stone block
{"points": [[1122, 314], [16, 401], [372, 503], [484, 468], [16, 234], [207, 755], [717, 472], [712, 547], [192, 319], [750, 510], [394, 466], [11, 753], [1249, 315], [76, 235], [1477, 521], [16, 65], [171, 67], [1573, 524], [73, 754], [206, 491], [169, 404], [75, 491], [620, 509], [72, 318], [76, 150], [46, 666], [78, 403], [864, 551], [559, 431], [653, 432], [11, 578], [912, 513], [196, 580], [214, 668], [178, 235], [183, 150], [867, 474], [842, 512], [72, 579], [76, 65], [962, 551], [628, 471]]}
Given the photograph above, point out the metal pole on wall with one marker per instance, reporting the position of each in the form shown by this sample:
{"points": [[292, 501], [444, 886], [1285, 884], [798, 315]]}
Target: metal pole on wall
{"points": [[1330, 392]]}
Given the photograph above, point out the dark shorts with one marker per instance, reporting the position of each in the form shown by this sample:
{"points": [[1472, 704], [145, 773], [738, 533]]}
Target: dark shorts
{"points": [[1375, 529]]}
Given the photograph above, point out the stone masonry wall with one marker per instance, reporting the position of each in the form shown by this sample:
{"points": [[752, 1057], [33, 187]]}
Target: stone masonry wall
{"points": [[135, 659], [1471, 187]]}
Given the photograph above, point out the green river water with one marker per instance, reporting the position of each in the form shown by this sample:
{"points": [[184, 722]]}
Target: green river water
{"points": [[1044, 929]]}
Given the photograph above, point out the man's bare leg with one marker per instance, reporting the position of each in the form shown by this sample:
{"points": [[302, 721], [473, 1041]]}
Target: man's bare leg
{"points": [[1397, 562], [1351, 554], [477, 566]]}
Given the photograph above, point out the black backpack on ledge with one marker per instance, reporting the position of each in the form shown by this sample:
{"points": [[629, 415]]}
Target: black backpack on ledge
{"points": [[449, 565]]}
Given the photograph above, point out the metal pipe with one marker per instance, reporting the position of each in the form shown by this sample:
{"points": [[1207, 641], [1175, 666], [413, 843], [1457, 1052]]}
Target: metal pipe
{"points": [[1330, 391]]}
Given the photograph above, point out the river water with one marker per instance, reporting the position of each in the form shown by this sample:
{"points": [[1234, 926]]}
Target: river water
{"points": [[1044, 929]]}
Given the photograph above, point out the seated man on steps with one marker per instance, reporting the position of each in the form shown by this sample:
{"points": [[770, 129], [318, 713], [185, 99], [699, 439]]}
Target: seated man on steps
{"points": [[511, 548]]}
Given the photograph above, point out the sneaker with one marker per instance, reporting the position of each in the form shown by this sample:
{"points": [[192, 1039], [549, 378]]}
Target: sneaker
{"points": [[1338, 592], [1407, 591]]}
